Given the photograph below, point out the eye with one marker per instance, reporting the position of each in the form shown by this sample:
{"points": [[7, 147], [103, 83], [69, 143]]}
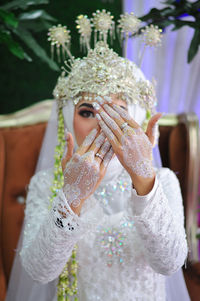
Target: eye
{"points": [[86, 113]]}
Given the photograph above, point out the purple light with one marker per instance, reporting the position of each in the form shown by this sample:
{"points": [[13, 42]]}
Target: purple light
{"points": [[178, 84]]}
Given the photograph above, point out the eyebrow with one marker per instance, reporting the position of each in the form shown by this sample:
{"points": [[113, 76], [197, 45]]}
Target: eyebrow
{"points": [[86, 105], [91, 106]]}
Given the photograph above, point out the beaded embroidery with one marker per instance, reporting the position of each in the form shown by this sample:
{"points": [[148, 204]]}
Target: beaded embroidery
{"points": [[112, 241]]}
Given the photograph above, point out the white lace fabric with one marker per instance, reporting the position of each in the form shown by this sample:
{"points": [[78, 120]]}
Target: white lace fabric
{"points": [[80, 177], [44, 242], [137, 152], [157, 225], [145, 238]]}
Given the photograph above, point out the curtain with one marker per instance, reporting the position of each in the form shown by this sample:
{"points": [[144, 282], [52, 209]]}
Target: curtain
{"points": [[178, 83]]}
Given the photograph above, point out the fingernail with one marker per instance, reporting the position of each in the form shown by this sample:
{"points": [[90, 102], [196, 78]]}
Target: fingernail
{"points": [[99, 99], [108, 99], [106, 106], [96, 106], [93, 132], [103, 114], [98, 117]]}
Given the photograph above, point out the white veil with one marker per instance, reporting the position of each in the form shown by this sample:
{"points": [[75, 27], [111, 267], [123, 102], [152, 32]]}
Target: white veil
{"points": [[21, 286]]}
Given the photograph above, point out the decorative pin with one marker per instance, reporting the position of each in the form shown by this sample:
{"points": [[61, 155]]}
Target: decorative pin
{"points": [[84, 28], [59, 36], [152, 36], [103, 23], [128, 23]]}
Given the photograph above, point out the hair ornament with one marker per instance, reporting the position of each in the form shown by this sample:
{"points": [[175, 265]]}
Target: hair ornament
{"points": [[152, 35], [128, 24], [85, 29], [103, 24], [59, 36], [102, 72]]}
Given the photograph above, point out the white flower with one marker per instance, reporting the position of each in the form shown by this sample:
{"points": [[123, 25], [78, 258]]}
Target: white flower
{"points": [[129, 23], [103, 21], [59, 35], [84, 26], [152, 35]]}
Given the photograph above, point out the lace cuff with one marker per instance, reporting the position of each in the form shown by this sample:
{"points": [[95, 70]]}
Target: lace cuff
{"points": [[64, 217]]}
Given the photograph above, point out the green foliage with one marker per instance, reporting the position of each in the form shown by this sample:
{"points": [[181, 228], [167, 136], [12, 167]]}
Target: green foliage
{"points": [[23, 4], [194, 46], [172, 15], [14, 47], [17, 26], [8, 18]]}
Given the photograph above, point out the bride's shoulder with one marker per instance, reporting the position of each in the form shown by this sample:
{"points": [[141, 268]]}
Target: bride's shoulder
{"points": [[39, 189]]}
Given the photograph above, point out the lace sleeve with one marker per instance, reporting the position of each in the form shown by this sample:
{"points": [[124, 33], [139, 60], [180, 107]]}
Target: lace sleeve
{"points": [[160, 224], [48, 236]]}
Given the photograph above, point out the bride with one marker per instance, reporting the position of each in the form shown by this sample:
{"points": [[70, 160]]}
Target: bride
{"points": [[109, 213]]}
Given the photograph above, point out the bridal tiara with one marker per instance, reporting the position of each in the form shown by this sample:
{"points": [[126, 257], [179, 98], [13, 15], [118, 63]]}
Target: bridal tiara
{"points": [[103, 72]]}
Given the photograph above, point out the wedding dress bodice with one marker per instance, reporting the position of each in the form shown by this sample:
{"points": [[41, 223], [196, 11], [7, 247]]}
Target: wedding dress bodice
{"points": [[126, 243]]}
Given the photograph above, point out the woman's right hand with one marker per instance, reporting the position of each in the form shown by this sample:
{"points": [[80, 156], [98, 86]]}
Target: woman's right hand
{"points": [[84, 170]]}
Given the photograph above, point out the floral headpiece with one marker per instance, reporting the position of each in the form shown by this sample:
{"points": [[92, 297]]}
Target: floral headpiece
{"points": [[103, 72]]}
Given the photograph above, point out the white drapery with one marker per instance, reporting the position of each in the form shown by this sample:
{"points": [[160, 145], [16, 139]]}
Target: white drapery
{"points": [[178, 83]]}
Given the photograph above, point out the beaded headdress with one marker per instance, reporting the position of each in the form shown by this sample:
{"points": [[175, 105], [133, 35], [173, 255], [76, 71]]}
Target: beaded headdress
{"points": [[103, 72], [99, 74]]}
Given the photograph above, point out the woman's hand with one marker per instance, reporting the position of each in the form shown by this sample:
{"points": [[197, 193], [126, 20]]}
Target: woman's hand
{"points": [[84, 170], [132, 146]]}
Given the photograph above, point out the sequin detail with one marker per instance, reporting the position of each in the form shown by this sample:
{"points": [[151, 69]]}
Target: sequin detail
{"points": [[112, 240]]}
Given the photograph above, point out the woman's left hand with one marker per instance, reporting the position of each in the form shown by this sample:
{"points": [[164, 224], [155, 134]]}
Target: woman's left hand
{"points": [[132, 146]]}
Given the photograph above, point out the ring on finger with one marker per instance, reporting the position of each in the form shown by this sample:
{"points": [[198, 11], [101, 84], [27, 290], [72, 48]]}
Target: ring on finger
{"points": [[99, 156], [123, 126]]}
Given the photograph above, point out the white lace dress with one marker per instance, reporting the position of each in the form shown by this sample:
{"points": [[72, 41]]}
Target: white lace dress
{"points": [[126, 243]]}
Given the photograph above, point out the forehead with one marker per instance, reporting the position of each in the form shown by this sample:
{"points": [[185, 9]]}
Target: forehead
{"points": [[116, 98]]}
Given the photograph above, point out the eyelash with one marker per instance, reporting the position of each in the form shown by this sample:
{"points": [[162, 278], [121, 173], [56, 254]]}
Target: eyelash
{"points": [[86, 113]]}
